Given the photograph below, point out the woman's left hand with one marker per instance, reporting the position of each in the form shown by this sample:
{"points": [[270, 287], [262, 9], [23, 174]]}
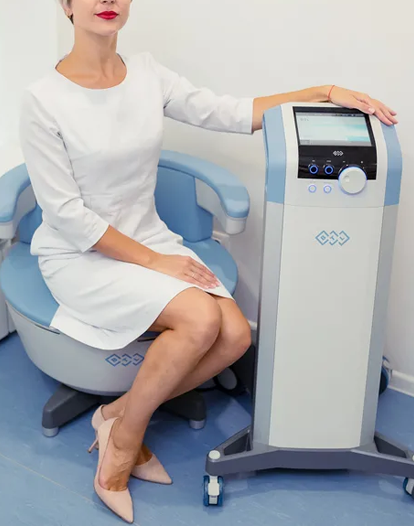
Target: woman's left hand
{"points": [[361, 101]]}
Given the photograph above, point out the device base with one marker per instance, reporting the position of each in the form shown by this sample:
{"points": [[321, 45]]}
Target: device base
{"points": [[237, 455]]}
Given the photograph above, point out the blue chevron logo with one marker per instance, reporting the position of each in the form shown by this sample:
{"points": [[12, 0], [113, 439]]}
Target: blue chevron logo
{"points": [[124, 360], [333, 238]]}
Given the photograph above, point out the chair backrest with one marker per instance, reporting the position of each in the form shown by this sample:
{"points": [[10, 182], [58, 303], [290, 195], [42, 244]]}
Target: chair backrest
{"points": [[176, 203]]}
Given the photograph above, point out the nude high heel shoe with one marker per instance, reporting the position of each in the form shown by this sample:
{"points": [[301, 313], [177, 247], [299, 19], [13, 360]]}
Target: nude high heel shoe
{"points": [[148, 467], [120, 502]]}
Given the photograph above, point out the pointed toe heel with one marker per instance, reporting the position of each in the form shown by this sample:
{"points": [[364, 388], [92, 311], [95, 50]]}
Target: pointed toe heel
{"points": [[120, 502]]}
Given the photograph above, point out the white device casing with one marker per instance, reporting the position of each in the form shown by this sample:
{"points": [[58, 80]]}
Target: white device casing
{"points": [[326, 361]]}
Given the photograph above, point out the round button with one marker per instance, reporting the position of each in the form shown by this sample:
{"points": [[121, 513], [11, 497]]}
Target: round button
{"points": [[312, 188], [329, 169], [313, 169], [352, 180], [327, 189]]}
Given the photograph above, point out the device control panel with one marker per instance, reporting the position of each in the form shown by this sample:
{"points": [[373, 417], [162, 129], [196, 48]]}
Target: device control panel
{"points": [[335, 144]]}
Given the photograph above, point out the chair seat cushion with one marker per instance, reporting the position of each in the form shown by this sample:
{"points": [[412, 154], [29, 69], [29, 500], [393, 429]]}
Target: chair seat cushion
{"points": [[24, 288]]}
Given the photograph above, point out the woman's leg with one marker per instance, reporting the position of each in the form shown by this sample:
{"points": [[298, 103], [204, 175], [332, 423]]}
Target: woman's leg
{"points": [[189, 334], [232, 342]]}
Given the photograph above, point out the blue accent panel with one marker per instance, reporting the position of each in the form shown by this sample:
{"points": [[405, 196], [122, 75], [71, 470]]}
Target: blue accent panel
{"points": [[23, 285], [232, 193], [29, 223], [275, 148], [12, 184], [175, 200], [395, 165], [25, 289]]}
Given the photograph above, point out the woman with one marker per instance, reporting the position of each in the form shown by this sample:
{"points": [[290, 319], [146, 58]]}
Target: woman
{"points": [[91, 134]]}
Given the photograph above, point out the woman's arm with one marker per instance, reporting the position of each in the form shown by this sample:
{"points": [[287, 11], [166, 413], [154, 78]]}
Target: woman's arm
{"points": [[51, 175], [117, 245], [201, 107], [340, 96]]}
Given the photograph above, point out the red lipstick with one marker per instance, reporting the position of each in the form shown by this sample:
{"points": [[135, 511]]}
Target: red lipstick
{"points": [[108, 15]]}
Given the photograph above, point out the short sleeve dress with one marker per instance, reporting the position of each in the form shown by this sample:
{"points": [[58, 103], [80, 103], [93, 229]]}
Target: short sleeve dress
{"points": [[92, 157]]}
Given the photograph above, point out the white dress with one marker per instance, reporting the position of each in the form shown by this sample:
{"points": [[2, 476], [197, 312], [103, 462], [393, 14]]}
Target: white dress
{"points": [[92, 157]]}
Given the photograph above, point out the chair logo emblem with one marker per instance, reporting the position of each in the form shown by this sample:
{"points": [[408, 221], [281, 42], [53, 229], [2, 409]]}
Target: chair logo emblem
{"points": [[124, 360], [332, 238]]}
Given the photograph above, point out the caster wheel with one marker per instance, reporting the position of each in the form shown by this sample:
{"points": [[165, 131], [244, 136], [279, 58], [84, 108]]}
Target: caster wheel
{"points": [[213, 491], [228, 382], [409, 487]]}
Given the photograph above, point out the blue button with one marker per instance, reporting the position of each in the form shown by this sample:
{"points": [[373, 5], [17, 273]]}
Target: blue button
{"points": [[312, 188], [329, 169], [327, 189], [313, 169]]}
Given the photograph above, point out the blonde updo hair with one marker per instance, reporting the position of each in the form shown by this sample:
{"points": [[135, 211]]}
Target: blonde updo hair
{"points": [[67, 3]]}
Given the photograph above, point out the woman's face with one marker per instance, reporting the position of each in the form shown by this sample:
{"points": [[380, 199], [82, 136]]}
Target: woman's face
{"points": [[85, 15]]}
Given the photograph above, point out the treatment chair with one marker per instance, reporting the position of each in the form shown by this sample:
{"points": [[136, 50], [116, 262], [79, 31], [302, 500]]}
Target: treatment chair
{"points": [[189, 193]]}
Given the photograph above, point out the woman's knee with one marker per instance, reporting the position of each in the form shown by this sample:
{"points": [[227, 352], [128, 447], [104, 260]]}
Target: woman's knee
{"points": [[197, 316], [203, 323], [237, 335]]}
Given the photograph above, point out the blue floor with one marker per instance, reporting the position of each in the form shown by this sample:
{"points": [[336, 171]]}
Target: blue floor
{"points": [[48, 482]]}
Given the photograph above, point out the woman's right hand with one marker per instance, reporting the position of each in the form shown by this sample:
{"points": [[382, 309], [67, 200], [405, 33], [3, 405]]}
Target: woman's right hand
{"points": [[185, 268]]}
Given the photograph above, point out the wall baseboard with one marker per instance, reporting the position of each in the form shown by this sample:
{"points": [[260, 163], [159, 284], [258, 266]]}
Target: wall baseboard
{"points": [[403, 383]]}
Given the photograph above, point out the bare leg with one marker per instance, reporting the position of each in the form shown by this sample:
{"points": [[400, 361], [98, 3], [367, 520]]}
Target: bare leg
{"points": [[232, 342], [174, 354]]}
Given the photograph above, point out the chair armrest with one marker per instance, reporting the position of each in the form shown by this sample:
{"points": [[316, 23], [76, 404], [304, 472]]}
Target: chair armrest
{"points": [[218, 191], [16, 200]]}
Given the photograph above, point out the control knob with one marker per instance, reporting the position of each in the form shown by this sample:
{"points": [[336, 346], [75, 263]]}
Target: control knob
{"points": [[352, 180]]}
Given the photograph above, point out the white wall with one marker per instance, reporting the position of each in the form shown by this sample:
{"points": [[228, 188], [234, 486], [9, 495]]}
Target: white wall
{"points": [[259, 47], [27, 51]]}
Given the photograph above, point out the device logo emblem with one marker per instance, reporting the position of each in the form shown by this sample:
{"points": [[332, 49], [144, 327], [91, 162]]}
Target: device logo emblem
{"points": [[332, 238], [338, 153]]}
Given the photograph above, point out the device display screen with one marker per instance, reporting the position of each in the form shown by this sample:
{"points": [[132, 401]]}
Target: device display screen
{"points": [[332, 129]]}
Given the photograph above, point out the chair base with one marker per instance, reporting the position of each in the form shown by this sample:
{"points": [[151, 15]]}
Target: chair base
{"points": [[63, 406], [190, 406], [66, 404]]}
